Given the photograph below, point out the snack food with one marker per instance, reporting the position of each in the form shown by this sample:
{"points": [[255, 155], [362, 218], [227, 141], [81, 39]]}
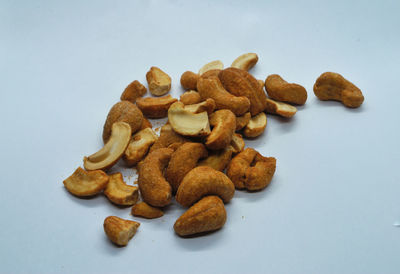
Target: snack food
{"points": [[280, 90], [118, 192], [155, 107], [147, 211], [159, 82], [256, 126], [84, 183], [139, 146], [133, 91], [120, 231], [245, 61]]}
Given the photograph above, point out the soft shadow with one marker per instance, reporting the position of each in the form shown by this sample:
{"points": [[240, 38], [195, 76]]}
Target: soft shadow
{"points": [[91, 201], [287, 124], [254, 196], [201, 241], [337, 104]]}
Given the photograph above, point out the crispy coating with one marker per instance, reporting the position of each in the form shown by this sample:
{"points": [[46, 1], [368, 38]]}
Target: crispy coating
{"points": [[118, 192], [133, 91], [155, 107], [224, 123], [280, 90], [146, 211], [120, 231], [139, 146], [242, 121], [84, 183], [218, 159], [213, 65], [189, 80], [190, 97], [167, 138]]}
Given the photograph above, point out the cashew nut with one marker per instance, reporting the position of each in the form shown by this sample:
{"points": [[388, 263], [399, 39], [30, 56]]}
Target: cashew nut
{"points": [[112, 150], [139, 146], [118, 192], [84, 183], [159, 82], [155, 107], [133, 91], [242, 121], [190, 97], [245, 61], [218, 159], [146, 124], [202, 181], [212, 65], [279, 108], [120, 231], [280, 90], [207, 105], [237, 143], [256, 126], [146, 211], [189, 80], [167, 138], [224, 122]]}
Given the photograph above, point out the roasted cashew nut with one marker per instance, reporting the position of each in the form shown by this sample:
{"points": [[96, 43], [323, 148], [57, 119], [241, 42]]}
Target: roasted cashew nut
{"points": [[279, 108], [224, 123], [146, 211], [118, 192], [84, 183], [245, 61], [139, 146], [155, 107], [256, 126], [120, 231], [280, 90]]}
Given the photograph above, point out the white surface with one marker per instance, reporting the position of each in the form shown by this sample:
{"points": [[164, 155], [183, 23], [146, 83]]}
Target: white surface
{"points": [[336, 193]]}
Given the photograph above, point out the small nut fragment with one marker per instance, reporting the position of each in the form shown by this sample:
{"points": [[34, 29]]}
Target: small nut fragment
{"points": [[123, 111], [333, 86], [237, 143], [212, 65], [167, 138], [84, 183], [190, 97], [208, 214], [139, 146], [224, 123], [155, 107], [159, 82], [245, 61], [207, 105], [112, 150], [218, 159], [242, 121], [133, 91], [118, 192], [250, 170], [146, 211], [187, 123], [120, 231], [189, 80], [256, 126], [280, 90], [202, 181], [279, 108]]}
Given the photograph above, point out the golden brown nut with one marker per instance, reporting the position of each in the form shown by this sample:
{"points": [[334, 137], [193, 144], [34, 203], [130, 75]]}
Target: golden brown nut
{"points": [[333, 86], [159, 82], [202, 181], [210, 66], [84, 183], [280, 90], [155, 107], [139, 146], [146, 124], [224, 123], [190, 97], [211, 87], [218, 159], [120, 231], [182, 161], [207, 105], [155, 190], [189, 80], [208, 214], [211, 73], [241, 83], [112, 150], [245, 61], [237, 143], [133, 91], [261, 83], [242, 121], [250, 170], [146, 211], [118, 192], [279, 108], [256, 126], [123, 111], [167, 138]]}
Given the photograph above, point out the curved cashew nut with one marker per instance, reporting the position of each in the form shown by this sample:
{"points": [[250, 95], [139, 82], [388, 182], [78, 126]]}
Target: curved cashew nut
{"points": [[211, 65], [242, 121], [256, 125], [167, 138], [190, 97], [139, 146], [146, 211], [224, 122], [155, 107], [280, 90], [202, 181], [84, 183], [279, 108], [207, 105], [218, 159], [118, 192], [245, 61]]}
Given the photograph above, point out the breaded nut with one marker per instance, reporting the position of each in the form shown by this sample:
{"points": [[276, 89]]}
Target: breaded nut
{"points": [[159, 82], [245, 61], [207, 105], [118, 192], [146, 211], [84, 183], [206, 215], [237, 143], [218, 159], [155, 190], [139, 146], [189, 80], [123, 111], [167, 138], [133, 91], [250, 170], [155, 107], [256, 126], [210, 66], [190, 97], [333, 86], [183, 160], [280, 90], [242, 121], [202, 181], [279, 108], [211, 87], [224, 123], [120, 231]]}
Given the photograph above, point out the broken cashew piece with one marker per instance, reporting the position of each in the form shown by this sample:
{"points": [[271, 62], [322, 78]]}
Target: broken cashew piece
{"points": [[218, 159], [207, 105], [279, 108], [237, 143], [187, 123], [84, 183], [202, 181], [146, 211], [159, 82], [189, 80], [112, 150], [168, 137], [190, 97], [333, 86], [206, 215], [118, 192], [133, 91], [211, 65], [139, 146], [242, 121], [256, 126], [120, 231], [224, 123], [245, 61], [155, 107], [280, 90]]}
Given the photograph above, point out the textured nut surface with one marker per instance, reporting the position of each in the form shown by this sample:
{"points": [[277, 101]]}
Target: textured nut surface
{"points": [[190, 97], [167, 138], [237, 143], [242, 121], [139, 146], [280, 90], [333, 86], [155, 107], [133, 91], [84, 183], [202, 181], [217, 159], [189, 80], [208, 214], [146, 124], [112, 150], [147, 211], [120, 231], [256, 125], [159, 82], [245, 61], [217, 64], [211, 87], [123, 111], [241, 83], [224, 123], [250, 170], [155, 190], [279, 108], [207, 105], [118, 192]]}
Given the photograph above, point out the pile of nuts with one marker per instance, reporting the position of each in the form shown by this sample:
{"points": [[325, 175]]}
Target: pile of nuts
{"points": [[202, 138]]}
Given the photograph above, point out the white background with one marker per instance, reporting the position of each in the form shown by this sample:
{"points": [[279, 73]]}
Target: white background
{"points": [[335, 197]]}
